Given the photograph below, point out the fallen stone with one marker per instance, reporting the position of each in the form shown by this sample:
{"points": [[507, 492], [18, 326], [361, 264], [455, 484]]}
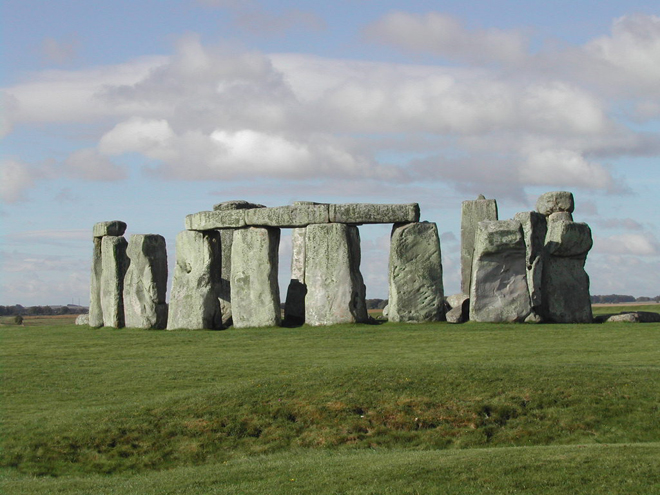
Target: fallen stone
{"points": [[568, 239], [415, 279], [635, 317], [194, 302], [359, 213], [290, 216], [459, 308], [335, 289], [255, 296], [114, 228], [472, 212], [552, 202], [95, 308], [214, 220], [294, 308], [236, 204], [145, 283], [82, 320], [114, 263], [499, 291], [534, 232]]}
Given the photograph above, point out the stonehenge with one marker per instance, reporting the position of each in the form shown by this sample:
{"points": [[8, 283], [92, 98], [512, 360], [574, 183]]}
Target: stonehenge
{"points": [[526, 269]]}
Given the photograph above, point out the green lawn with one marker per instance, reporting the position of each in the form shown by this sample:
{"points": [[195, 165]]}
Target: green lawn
{"points": [[389, 408]]}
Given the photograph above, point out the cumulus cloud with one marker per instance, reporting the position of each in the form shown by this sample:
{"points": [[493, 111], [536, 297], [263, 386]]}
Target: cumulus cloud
{"points": [[561, 167], [446, 36], [627, 244]]}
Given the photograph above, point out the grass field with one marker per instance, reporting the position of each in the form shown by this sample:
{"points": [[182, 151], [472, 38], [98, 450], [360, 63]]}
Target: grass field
{"points": [[434, 408]]}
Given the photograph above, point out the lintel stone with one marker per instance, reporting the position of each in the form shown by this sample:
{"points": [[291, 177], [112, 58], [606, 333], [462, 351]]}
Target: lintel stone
{"points": [[114, 228], [360, 213]]}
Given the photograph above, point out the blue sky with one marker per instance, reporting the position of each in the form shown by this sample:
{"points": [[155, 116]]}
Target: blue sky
{"points": [[146, 111]]}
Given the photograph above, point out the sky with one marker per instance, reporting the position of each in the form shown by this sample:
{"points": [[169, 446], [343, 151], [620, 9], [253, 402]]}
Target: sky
{"points": [[148, 110]]}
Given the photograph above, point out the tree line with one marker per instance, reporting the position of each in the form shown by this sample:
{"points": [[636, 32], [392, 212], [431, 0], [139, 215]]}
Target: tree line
{"points": [[18, 310]]}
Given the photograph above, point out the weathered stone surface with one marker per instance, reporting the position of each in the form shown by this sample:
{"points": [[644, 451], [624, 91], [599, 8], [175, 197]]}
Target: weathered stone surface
{"points": [[82, 320], [472, 212], [114, 263], [194, 302], [294, 308], [224, 287], [635, 317], [416, 290], [459, 311], [358, 213], [95, 308], [114, 228], [499, 289], [255, 296], [335, 289], [145, 283], [560, 216], [287, 216], [554, 201], [214, 220], [534, 231], [236, 204], [566, 291], [567, 239]]}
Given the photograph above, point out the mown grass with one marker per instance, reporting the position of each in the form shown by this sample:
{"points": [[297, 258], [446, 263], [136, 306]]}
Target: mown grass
{"points": [[82, 404]]}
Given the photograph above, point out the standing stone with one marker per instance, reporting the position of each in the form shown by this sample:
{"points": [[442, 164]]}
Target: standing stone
{"points": [[534, 227], [226, 242], [472, 212], [255, 295], [566, 296], [95, 309], [499, 275], [335, 289], [555, 201], [194, 302], [145, 283], [294, 308], [114, 263], [416, 290]]}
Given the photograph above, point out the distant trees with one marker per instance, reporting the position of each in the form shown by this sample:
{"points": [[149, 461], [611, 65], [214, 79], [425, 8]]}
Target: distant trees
{"points": [[620, 298], [18, 310]]}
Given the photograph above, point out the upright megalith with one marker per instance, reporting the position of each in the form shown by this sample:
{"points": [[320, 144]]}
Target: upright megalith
{"points": [[499, 289], [99, 230], [194, 302], [566, 296], [145, 283], [335, 288], [114, 264], [534, 227], [255, 296], [472, 212], [294, 307], [415, 278], [226, 241]]}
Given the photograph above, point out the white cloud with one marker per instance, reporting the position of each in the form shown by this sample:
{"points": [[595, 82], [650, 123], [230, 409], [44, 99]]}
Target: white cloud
{"points": [[444, 35], [88, 164], [627, 244], [15, 178], [562, 167]]}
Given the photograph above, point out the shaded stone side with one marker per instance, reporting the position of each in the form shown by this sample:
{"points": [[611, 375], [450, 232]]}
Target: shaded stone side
{"points": [[114, 263], [145, 283], [255, 295], [226, 241], [416, 292], [472, 212], [294, 308], [194, 302], [499, 289], [534, 227], [335, 288], [95, 309]]}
